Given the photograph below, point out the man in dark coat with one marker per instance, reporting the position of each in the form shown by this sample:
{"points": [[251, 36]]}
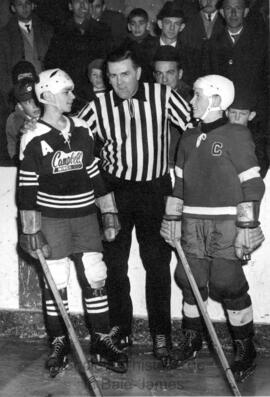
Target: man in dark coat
{"points": [[25, 37], [77, 43], [205, 24], [240, 53], [115, 20]]}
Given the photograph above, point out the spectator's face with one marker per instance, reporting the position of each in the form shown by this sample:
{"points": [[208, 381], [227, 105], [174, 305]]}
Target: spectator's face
{"points": [[23, 9], [80, 8], [124, 77], [30, 108], [96, 9], [137, 26], [240, 116], [234, 12], [167, 73], [170, 27], [96, 78], [208, 6], [199, 103]]}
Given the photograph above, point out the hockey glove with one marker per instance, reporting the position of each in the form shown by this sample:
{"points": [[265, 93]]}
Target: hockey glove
{"points": [[247, 241], [109, 216], [249, 235], [31, 242], [171, 223], [32, 238]]}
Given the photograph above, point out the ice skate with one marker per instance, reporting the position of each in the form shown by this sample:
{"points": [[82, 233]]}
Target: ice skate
{"points": [[119, 338], [244, 362], [188, 347], [58, 360], [161, 349], [106, 354]]}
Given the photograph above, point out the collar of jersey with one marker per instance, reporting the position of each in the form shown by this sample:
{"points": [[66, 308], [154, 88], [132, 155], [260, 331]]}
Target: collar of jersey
{"points": [[45, 127], [208, 127], [139, 94]]}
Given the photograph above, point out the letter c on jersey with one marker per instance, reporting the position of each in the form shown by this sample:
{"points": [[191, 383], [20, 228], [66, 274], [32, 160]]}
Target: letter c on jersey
{"points": [[217, 149]]}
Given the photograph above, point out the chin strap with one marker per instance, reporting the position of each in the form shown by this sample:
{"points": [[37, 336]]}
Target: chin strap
{"points": [[210, 109]]}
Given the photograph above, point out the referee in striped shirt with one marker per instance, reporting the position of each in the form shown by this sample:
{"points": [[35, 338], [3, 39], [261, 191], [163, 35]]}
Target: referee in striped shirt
{"points": [[130, 121]]}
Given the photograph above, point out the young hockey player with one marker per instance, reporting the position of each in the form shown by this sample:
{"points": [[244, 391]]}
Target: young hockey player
{"points": [[216, 202], [59, 189]]}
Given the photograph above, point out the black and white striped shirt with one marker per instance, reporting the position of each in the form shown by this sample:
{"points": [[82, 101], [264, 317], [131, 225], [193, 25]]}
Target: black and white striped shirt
{"points": [[134, 131]]}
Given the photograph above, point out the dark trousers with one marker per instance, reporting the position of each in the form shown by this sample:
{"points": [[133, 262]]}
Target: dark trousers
{"points": [[140, 204]]}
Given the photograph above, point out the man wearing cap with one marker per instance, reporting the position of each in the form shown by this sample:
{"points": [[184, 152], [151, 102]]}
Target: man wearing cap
{"points": [[170, 21], [214, 211]]}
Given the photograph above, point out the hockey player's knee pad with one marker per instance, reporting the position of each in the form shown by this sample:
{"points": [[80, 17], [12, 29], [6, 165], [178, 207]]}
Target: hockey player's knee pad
{"points": [[227, 280], [59, 269], [199, 270], [95, 269]]}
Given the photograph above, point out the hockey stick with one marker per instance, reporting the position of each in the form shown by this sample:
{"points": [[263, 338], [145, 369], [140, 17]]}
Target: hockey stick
{"points": [[207, 320], [91, 380]]}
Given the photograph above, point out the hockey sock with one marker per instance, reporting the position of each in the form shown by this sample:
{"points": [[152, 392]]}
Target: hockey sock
{"points": [[97, 309], [240, 316], [55, 323]]}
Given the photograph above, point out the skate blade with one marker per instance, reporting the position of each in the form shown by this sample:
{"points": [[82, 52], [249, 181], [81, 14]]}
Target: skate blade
{"points": [[55, 370], [243, 375], [166, 362], [120, 368], [174, 363]]}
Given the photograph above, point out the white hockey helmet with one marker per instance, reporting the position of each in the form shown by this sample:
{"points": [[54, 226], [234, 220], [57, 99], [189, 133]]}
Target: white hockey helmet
{"points": [[53, 80], [213, 84]]}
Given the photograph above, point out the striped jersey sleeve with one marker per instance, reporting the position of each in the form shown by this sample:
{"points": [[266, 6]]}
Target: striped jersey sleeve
{"points": [[28, 181], [178, 110]]}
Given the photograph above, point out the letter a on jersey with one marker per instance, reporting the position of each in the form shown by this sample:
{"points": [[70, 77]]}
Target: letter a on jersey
{"points": [[45, 148]]}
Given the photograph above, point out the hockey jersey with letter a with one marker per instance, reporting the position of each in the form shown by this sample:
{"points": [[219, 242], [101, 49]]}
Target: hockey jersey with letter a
{"points": [[59, 174]]}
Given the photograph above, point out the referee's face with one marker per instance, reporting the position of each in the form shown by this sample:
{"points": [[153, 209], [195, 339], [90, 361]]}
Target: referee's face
{"points": [[124, 77]]}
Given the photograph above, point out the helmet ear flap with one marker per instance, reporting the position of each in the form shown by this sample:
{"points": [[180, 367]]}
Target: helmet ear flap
{"points": [[216, 101]]}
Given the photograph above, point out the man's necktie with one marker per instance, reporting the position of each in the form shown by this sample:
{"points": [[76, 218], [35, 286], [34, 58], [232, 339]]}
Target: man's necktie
{"points": [[235, 37], [28, 28], [209, 17]]}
